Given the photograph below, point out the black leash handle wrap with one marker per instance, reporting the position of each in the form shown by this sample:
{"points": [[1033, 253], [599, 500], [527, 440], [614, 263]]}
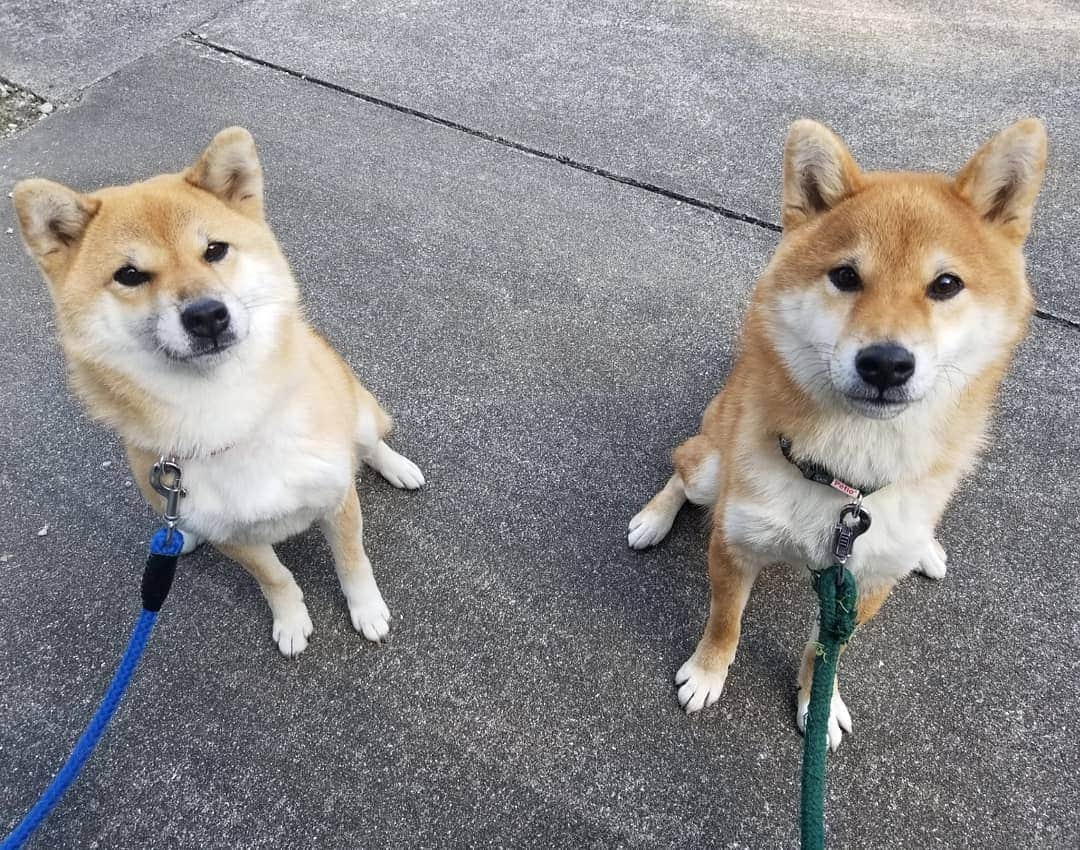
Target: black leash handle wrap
{"points": [[157, 578]]}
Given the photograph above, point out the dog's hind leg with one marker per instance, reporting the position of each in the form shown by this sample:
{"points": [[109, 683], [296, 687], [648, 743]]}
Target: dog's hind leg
{"points": [[651, 524], [697, 476], [933, 561], [192, 541], [372, 426], [292, 625], [395, 468]]}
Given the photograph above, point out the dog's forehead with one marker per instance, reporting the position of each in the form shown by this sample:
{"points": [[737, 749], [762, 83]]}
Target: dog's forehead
{"points": [[909, 212], [163, 209], [905, 222]]}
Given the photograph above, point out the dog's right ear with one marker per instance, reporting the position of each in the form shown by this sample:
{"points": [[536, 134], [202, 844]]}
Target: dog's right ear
{"points": [[52, 220], [230, 169], [819, 172]]}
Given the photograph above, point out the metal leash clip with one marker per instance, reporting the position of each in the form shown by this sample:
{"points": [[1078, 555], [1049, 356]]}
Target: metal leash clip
{"points": [[165, 479], [847, 532]]}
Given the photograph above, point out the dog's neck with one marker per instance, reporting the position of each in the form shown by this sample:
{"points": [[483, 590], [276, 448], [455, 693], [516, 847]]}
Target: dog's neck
{"points": [[871, 452], [188, 413]]}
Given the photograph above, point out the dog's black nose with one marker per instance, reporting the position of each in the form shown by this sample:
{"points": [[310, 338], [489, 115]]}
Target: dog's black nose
{"points": [[206, 317], [885, 365]]}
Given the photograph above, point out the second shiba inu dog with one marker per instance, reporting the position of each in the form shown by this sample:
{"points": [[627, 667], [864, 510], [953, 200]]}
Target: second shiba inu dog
{"points": [[181, 326], [875, 342]]}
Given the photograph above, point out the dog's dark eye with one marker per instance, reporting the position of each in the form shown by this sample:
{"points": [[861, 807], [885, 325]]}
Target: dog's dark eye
{"points": [[130, 276], [216, 251], [944, 287], [845, 278]]}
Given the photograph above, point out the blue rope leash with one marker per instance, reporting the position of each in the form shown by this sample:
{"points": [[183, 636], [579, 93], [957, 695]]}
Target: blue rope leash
{"points": [[90, 737], [157, 579]]}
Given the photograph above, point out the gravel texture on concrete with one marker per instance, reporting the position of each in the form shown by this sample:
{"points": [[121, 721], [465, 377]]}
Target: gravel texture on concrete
{"points": [[695, 96], [543, 336], [19, 108]]}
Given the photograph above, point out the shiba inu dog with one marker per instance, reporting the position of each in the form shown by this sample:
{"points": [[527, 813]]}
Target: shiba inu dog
{"points": [[181, 326], [875, 342]]}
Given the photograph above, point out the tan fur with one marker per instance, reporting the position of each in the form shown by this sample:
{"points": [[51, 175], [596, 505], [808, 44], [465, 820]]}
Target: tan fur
{"points": [[901, 230], [269, 432]]}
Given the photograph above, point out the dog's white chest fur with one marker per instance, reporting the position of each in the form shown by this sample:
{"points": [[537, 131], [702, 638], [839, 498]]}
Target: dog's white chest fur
{"points": [[794, 522], [788, 518], [271, 486]]}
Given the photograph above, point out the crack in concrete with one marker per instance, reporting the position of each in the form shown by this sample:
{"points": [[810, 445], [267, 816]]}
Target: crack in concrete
{"points": [[726, 212], [1054, 317], [492, 137]]}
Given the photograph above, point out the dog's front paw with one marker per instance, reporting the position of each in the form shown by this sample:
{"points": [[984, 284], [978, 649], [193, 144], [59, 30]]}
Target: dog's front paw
{"points": [[292, 628], [700, 685], [839, 717], [370, 616], [932, 561]]}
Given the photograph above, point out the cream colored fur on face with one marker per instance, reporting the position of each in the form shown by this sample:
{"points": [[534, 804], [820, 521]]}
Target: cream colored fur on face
{"points": [[796, 373], [270, 431]]}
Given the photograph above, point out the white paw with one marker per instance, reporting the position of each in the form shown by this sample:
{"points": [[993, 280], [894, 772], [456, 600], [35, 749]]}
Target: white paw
{"points": [[699, 686], [648, 527], [839, 717], [396, 468], [932, 561], [192, 541], [370, 616], [292, 628]]}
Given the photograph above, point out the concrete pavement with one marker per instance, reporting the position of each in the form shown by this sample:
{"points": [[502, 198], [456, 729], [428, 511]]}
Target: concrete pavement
{"points": [[695, 96], [543, 335]]}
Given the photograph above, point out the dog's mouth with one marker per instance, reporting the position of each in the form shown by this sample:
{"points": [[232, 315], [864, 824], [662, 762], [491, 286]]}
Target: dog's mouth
{"points": [[203, 351], [880, 406]]}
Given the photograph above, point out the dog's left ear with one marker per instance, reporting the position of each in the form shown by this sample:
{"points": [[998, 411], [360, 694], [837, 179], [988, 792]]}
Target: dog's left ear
{"points": [[819, 173], [229, 168], [1003, 178]]}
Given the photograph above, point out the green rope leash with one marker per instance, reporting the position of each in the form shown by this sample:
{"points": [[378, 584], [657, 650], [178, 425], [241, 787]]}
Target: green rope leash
{"points": [[836, 592]]}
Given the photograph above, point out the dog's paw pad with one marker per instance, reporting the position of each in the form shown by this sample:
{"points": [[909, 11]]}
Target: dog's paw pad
{"points": [[932, 563], [371, 618], [699, 686], [648, 527], [292, 630], [839, 717]]}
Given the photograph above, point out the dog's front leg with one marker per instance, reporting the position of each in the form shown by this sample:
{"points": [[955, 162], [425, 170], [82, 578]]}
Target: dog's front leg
{"points": [[292, 625], [731, 576], [344, 529], [869, 604]]}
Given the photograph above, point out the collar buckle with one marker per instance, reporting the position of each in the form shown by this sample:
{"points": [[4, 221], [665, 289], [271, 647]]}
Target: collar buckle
{"points": [[853, 522]]}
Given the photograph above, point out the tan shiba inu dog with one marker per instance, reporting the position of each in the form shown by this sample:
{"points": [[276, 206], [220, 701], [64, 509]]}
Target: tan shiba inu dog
{"points": [[182, 330], [876, 339]]}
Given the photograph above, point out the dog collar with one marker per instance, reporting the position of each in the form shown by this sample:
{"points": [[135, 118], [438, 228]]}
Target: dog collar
{"points": [[819, 474], [174, 456]]}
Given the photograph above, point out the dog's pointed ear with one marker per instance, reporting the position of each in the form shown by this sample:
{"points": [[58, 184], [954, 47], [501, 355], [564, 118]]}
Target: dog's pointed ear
{"points": [[52, 220], [229, 168], [819, 173], [1003, 178]]}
